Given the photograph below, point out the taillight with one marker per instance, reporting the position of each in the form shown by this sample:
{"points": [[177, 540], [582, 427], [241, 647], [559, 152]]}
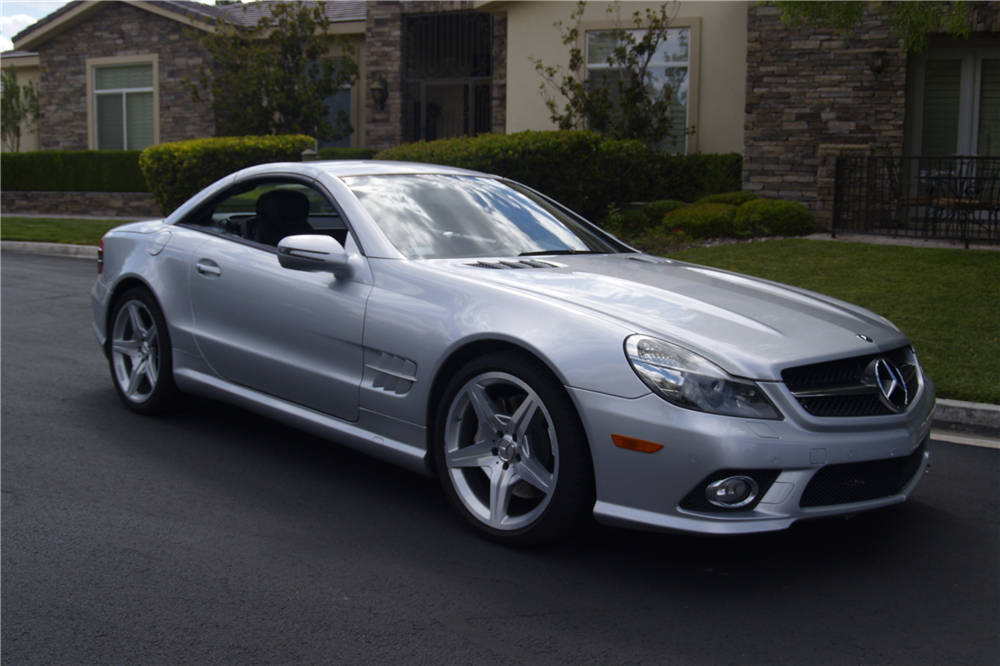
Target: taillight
{"points": [[100, 257]]}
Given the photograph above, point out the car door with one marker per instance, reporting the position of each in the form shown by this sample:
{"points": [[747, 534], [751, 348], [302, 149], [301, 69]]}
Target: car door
{"points": [[290, 334]]}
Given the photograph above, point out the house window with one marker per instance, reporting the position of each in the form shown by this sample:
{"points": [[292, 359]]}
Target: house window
{"points": [[123, 107], [342, 100], [960, 105], [669, 73]]}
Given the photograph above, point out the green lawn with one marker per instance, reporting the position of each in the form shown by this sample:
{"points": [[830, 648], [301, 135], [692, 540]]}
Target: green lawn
{"points": [[52, 230], [947, 301]]}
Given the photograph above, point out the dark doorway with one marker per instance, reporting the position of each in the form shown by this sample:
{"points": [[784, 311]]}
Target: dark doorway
{"points": [[447, 69]]}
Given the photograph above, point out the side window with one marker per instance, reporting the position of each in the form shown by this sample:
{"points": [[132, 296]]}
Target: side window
{"points": [[267, 211]]}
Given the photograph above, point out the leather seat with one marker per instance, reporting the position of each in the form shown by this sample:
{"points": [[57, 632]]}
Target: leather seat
{"points": [[281, 213]]}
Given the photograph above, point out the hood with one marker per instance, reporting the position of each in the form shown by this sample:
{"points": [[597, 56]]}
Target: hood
{"points": [[750, 327]]}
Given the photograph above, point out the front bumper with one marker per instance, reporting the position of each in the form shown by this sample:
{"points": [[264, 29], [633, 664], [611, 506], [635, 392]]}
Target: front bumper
{"points": [[648, 490]]}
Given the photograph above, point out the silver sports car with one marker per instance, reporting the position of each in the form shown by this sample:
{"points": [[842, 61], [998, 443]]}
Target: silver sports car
{"points": [[467, 327]]}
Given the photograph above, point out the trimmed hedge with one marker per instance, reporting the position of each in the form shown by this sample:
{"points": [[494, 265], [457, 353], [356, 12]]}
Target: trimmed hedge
{"points": [[346, 153], [707, 220], [73, 171], [731, 198], [772, 217], [692, 177], [581, 170], [177, 171]]}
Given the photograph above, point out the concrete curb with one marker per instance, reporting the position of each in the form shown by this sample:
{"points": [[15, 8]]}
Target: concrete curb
{"points": [[952, 416], [971, 417], [83, 251]]}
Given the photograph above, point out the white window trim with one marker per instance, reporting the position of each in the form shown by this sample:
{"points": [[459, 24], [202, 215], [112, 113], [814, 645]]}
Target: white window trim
{"points": [[694, 64], [93, 63]]}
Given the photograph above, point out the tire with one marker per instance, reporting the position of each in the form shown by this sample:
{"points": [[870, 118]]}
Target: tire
{"points": [[139, 354], [511, 451]]}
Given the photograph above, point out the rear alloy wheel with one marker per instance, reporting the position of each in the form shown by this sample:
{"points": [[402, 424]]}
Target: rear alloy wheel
{"points": [[511, 451], [140, 354]]}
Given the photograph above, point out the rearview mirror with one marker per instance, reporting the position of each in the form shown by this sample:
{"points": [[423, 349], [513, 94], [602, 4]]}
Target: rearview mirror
{"points": [[313, 253]]}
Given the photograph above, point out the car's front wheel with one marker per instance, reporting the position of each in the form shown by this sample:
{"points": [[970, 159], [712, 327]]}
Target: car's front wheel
{"points": [[511, 451], [140, 355]]}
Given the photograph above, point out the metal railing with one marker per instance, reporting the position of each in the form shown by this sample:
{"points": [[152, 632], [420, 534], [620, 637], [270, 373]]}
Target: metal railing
{"points": [[954, 198]]}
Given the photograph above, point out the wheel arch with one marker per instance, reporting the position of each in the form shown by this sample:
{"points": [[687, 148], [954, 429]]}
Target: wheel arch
{"points": [[458, 358], [120, 289]]}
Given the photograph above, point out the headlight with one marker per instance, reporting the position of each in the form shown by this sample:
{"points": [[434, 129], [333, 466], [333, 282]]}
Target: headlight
{"points": [[688, 380]]}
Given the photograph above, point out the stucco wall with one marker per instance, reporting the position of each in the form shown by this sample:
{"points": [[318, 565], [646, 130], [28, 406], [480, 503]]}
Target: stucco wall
{"points": [[118, 29], [722, 66], [26, 69]]}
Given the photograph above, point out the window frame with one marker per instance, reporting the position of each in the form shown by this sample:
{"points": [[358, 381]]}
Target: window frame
{"points": [[970, 91], [93, 64], [694, 66]]}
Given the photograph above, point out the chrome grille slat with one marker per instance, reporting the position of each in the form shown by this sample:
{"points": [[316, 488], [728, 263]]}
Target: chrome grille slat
{"points": [[839, 388]]}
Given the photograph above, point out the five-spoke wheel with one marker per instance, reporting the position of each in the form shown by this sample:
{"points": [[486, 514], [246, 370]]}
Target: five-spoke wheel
{"points": [[139, 353], [511, 454]]}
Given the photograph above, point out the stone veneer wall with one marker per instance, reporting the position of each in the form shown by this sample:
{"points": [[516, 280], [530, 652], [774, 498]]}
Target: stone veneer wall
{"points": [[811, 96], [112, 204], [119, 29], [384, 57]]}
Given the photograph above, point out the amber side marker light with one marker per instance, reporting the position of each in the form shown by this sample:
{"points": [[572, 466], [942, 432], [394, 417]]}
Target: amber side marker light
{"points": [[633, 444]]}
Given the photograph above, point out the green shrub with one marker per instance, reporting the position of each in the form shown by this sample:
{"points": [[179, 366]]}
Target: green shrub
{"points": [[176, 171], [691, 177], [657, 210], [633, 221], [771, 217], [731, 198], [708, 220], [581, 170], [346, 153], [73, 171]]}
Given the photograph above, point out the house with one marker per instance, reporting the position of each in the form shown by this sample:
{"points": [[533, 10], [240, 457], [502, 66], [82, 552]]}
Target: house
{"points": [[793, 100], [114, 71]]}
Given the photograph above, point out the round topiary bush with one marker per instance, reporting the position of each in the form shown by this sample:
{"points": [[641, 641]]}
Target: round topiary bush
{"points": [[731, 198], [708, 220], [771, 217]]}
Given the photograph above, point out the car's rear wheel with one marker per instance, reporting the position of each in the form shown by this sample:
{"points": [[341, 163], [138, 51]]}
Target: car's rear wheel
{"points": [[140, 355], [511, 451]]}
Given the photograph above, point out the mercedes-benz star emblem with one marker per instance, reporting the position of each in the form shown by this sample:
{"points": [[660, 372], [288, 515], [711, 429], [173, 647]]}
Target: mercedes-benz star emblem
{"points": [[890, 382]]}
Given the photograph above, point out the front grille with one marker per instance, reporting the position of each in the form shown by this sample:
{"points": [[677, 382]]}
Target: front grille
{"points": [[859, 482], [840, 388]]}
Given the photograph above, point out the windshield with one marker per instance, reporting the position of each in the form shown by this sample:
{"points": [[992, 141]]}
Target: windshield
{"points": [[437, 216]]}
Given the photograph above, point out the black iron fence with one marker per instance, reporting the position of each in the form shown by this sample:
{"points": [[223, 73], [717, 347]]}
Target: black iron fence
{"points": [[955, 198]]}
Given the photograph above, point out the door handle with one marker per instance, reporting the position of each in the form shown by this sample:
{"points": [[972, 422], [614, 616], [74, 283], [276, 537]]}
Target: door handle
{"points": [[209, 267]]}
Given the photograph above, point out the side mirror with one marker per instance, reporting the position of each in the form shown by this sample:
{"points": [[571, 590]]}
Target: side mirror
{"points": [[313, 253]]}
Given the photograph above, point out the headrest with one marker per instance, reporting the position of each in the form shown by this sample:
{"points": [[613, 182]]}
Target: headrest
{"points": [[285, 206]]}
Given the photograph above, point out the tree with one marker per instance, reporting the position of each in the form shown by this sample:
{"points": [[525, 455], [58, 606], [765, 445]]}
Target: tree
{"points": [[274, 77], [19, 109], [625, 102], [912, 22]]}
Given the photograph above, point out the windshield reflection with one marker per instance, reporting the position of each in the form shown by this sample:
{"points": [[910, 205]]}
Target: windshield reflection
{"points": [[433, 216]]}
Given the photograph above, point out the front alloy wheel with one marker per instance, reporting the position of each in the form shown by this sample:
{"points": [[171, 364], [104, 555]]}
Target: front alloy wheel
{"points": [[512, 454]]}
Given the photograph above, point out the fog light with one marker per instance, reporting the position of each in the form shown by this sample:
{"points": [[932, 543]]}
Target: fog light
{"points": [[732, 493]]}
